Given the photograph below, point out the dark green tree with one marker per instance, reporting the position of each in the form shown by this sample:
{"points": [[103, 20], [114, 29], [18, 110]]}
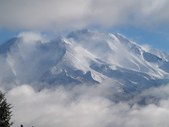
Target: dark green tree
{"points": [[5, 112]]}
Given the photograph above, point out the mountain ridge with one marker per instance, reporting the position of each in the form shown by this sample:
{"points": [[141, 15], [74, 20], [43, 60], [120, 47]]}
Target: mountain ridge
{"points": [[82, 57]]}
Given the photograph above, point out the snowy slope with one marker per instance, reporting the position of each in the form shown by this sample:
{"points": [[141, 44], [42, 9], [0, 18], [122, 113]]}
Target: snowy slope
{"points": [[82, 56]]}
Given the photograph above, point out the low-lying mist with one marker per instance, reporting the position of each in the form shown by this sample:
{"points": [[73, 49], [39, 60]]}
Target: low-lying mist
{"points": [[88, 106]]}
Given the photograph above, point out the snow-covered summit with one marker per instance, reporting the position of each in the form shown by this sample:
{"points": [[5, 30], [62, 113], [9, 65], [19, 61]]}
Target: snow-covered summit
{"points": [[83, 56]]}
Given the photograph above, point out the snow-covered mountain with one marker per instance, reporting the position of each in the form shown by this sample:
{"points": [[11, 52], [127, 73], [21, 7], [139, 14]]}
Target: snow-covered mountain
{"points": [[83, 56]]}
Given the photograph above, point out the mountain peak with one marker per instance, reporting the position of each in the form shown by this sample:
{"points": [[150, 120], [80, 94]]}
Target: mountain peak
{"points": [[83, 55]]}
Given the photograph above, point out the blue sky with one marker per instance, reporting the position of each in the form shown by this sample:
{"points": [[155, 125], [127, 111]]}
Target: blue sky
{"points": [[6, 35], [157, 39], [145, 22]]}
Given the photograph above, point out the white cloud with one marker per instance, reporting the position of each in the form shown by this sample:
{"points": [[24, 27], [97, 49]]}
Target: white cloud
{"points": [[31, 37], [61, 14], [42, 13], [113, 12], [84, 106]]}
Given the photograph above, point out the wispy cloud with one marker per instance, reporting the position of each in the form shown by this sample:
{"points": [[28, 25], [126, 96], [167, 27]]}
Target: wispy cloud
{"points": [[61, 14]]}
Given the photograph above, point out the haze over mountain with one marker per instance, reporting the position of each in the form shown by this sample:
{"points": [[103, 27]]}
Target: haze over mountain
{"points": [[82, 57]]}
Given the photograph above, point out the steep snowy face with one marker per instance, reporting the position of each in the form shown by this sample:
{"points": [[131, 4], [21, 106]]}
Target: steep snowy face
{"points": [[118, 51], [108, 47], [82, 56]]}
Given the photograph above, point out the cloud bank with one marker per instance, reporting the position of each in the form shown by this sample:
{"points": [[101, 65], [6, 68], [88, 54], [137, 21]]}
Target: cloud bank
{"points": [[85, 106], [63, 14]]}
